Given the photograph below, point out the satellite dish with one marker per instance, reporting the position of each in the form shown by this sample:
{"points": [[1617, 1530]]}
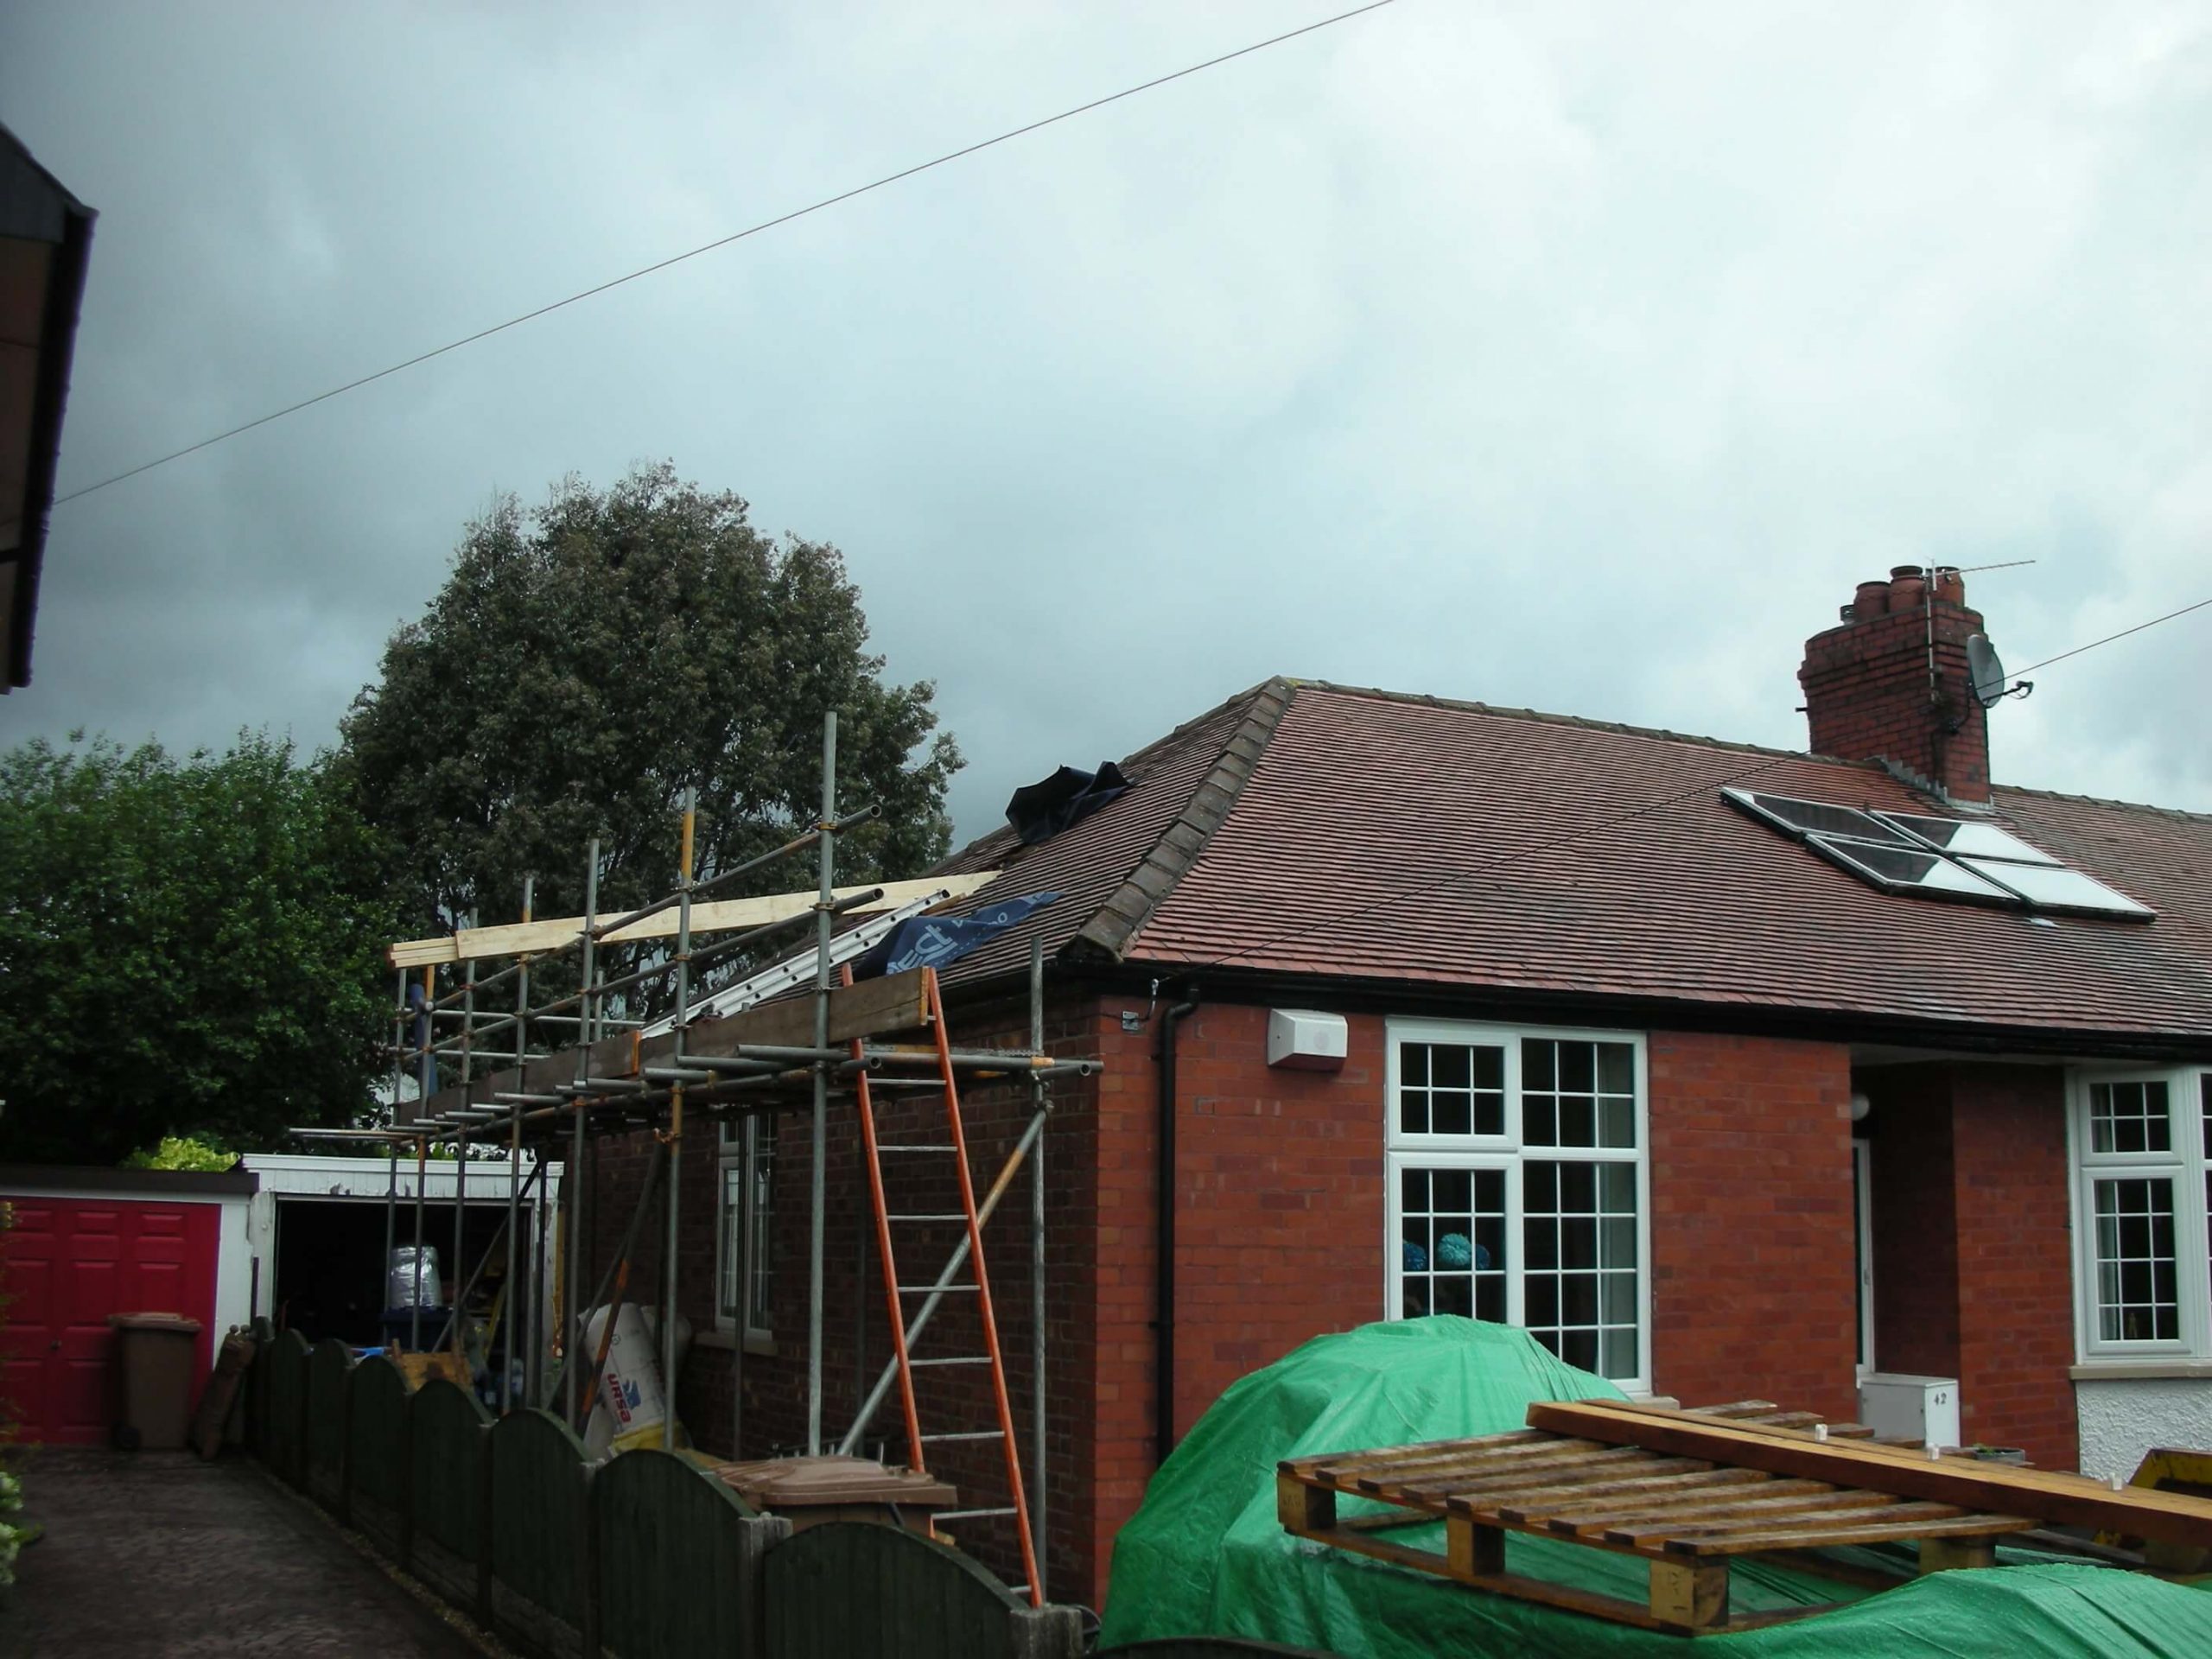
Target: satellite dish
{"points": [[1986, 670]]}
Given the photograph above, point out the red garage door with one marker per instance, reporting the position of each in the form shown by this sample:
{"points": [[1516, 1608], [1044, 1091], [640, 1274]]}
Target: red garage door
{"points": [[67, 1263]]}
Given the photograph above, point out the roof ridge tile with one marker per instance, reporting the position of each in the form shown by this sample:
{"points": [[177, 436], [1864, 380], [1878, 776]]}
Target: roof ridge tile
{"points": [[1584, 721], [1111, 928]]}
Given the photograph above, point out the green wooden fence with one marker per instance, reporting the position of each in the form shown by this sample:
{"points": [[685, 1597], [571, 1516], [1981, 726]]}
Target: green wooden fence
{"points": [[647, 1557], [330, 1370], [376, 1454], [257, 1390], [539, 1562], [1207, 1647], [286, 1430], [849, 1590], [446, 1466], [678, 1560]]}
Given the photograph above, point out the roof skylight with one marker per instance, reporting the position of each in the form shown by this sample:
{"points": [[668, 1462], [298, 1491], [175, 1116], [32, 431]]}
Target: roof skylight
{"points": [[1938, 858]]}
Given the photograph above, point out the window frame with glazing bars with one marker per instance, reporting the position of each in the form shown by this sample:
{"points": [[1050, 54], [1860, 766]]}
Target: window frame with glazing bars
{"points": [[2184, 1167], [1419, 1097], [743, 1145]]}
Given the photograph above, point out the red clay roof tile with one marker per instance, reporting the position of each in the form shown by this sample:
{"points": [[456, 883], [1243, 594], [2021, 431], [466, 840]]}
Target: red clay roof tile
{"points": [[1388, 838]]}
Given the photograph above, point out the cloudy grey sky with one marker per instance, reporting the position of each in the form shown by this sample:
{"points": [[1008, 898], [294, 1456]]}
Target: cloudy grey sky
{"points": [[1581, 357]]}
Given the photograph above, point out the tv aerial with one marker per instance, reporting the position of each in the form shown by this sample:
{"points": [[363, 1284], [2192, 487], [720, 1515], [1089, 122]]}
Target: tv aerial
{"points": [[1986, 671]]}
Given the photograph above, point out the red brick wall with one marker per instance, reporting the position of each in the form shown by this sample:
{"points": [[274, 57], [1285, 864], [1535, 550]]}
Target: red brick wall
{"points": [[1281, 1235], [2015, 1253], [1753, 1291], [1280, 1185], [1278, 1227], [1278, 1174]]}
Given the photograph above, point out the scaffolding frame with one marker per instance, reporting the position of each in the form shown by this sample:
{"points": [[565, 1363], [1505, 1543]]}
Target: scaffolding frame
{"points": [[617, 1074]]}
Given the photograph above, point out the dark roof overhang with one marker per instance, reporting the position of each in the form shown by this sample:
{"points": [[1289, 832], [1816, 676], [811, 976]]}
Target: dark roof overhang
{"points": [[46, 237]]}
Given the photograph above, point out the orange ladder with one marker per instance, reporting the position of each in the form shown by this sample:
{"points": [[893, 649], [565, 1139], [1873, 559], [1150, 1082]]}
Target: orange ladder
{"points": [[979, 1286]]}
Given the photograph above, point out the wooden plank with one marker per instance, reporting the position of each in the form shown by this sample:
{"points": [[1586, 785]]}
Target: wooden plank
{"points": [[1684, 1474], [1951, 1555], [1619, 1610], [1733, 1409], [1339, 1469], [447, 1452], [1473, 1551], [1690, 1596], [713, 916], [1495, 1474], [1560, 1454], [1640, 1529], [1754, 1415], [874, 1007], [1304, 1507], [1891, 1510], [1998, 1488], [1832, 1537], [676, 1573], [846, 1588], [1673, 1511], [535, 1544], [1544, 1591], [375, 1453], [330, 1377]]}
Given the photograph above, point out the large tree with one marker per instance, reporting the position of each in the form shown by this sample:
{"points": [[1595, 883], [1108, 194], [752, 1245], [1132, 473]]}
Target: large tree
{"points": [[187, 946], [588, 661]]}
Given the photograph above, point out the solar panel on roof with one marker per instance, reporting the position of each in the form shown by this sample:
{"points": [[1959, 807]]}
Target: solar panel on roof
{"points": [[1819, 817], [1906, 869], [1963, 840], [1938, 858], [2053, 887]]}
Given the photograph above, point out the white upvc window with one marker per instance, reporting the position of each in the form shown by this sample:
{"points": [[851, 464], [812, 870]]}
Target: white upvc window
{"points": [[746, 1277], [2143, 1212], [1519, 1186]]}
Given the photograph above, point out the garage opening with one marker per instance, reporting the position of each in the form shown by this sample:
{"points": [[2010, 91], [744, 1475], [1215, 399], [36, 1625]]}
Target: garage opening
{"points": [[331, 1271]]}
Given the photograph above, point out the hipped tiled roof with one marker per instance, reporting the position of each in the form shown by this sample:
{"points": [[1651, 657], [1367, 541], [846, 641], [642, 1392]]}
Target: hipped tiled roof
{"points": [[1307, 828]]}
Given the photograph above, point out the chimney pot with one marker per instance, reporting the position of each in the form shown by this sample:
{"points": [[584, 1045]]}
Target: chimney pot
{"points": [[1871, 599]]}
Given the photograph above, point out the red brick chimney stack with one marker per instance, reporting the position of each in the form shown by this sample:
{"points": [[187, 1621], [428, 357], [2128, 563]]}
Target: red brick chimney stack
{"points": [[1892, 684]]}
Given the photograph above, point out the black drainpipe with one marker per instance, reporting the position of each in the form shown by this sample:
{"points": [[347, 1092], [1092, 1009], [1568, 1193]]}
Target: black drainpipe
{"points": [[1163, 1378]]}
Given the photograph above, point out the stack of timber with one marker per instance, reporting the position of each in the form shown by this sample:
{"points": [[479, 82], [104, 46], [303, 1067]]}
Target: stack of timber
{"points": [[1690, 1491]]}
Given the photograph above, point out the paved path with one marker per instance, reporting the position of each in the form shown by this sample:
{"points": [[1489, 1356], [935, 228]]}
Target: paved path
{"points": [[157, 1552]]}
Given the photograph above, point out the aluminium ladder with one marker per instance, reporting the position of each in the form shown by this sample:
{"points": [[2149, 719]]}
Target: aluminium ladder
{"points": [[955, 1146]]}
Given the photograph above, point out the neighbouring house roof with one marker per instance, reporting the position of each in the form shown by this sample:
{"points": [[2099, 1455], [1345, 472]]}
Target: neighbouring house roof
{"points": [[45, 237], [1360, 836]]}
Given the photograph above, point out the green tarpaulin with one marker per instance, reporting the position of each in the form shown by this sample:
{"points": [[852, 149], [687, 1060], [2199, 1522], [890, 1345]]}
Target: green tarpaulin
{"points": [[1205, 1554]]}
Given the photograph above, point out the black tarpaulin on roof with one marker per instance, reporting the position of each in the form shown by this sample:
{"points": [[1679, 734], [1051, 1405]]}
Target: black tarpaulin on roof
{"points": [[1040, 811]]}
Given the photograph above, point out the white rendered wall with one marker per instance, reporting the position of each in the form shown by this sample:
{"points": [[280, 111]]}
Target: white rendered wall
{"points": [[2123, 1418]]}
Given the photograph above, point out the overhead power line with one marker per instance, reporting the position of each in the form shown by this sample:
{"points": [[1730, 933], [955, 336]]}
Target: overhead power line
{"points": [[2109, 638], [421, 357]]}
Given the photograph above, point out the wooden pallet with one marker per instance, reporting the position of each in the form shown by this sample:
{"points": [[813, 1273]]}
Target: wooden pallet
{"points": [[1689, 1492]]}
